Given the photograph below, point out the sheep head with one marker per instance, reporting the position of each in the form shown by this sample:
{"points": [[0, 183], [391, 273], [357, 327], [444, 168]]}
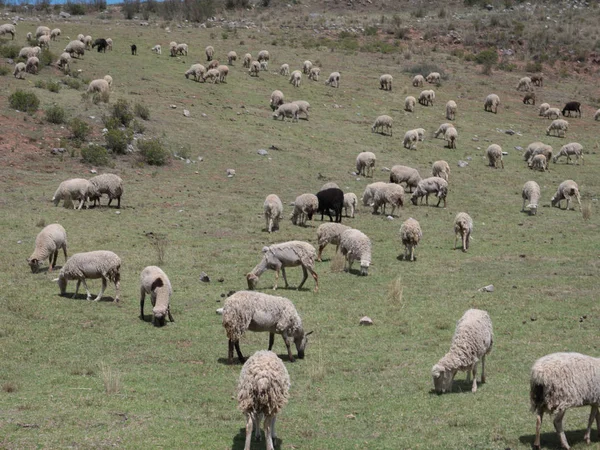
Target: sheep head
{"points": [[532, 209], [252, 281], [364, 267], [34, 264], [62, 283], [301, 340], [442, 379]]}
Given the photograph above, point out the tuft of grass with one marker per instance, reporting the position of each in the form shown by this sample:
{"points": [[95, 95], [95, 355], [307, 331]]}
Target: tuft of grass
{"points": [[9, 51], [100, 97], [24, 101], [141, 111], [4, 71], [40, 84], [121, 111], [395, 291], [160, 243], [56, 114], [153, 152], [9, 387], [53, 86], [41, 223], [586, 211], [72, 83], [111, 379]]}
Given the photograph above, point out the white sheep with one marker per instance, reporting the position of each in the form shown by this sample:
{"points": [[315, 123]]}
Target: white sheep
{"points": [[296, 78], [197, 71], [451, 135], [442, 129], [209, 51], [109, 44], [356, 246], [19, 70], [385, 82], [88, 42], [64, 61], [420, 133], [491, 104], [8, 28], [276, 100], [463, 227], [44, 41], [247, 60], [156, 283], [109, 80], [109, 184], [290, 110], [157, 49], [539, 162], [100, 85], [404, 174], [74, 189], [451, 110], [314, 73], [306, 66], [552, 113], [284, 69], [333, 80], [262, 392], [536, 148], [390, 193], [329, 185], [255, 311], [441, 169], [173, 48], [75, 48], [264, 65], [305, 206], [410, 236], [350, 203], [32, 65], [42, 31], [431, 185], [254, 68], [223, 72], [91, 265], [303, 107], [571, 149], [47, 244], [213, 64], [566, 190], [384, 122], [524, 84], [418, 81], [213, 74], [28, 52], [263, 55], [434, 78], [371, 191], [427, 97], [410, 139], [286, 254], [365, 163], [494, 154], [55, 33], [28, 36], [80, 37], [329, 233], [559, 126], [410, 103], [273, 211], [560, 381], [182, 49], [543, 108], [531, 196], [231, 57], [473, 340]]}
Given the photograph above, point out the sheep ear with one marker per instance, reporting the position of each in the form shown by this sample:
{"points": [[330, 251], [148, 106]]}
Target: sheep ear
{"points": [[157, 283]]}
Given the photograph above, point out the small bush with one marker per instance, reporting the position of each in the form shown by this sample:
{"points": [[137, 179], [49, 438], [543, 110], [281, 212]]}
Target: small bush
{"points": [[9, 51], [142, 111], [371, 31], [487, 58], [75, 9], [533, 67], [24, 101], [4, 70], [47, 57], [153, 152], [103, 97], [53, 86], [55, 114], [72, 83], [95, 155], [122, 112], [40, 84], [79, 129], [138, 127], [117, 140]]}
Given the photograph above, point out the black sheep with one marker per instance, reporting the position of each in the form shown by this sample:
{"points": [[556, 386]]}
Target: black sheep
{"points": [[101, 44], [331, 199], [571, 106], [133, 49]]}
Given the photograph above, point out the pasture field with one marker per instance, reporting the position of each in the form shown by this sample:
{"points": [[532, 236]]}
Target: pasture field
{"points": [[81, 374]]}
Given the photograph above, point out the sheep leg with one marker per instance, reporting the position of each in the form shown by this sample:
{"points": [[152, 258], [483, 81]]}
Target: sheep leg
{"points": [[286, 339], [482, 368], [412, 252], [88, 293], [142, 299], [269, 432], [77, 288], [316, 278], [249, 426], [53, 259], [465, 242], [321, 247], [593, 415], [455, 239], [474, 385], [304, 277], [271, 340], [558, 426], [284, 277], [598, 423], [538, 428], [169, 314], [101, 290], [117, 281], [236, 344]]}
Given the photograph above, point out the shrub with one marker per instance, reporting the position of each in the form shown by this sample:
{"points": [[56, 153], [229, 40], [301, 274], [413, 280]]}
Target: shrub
{"points": [[103, 97], [72, 83], [4, 70], [55, 114], [138, 127], [47, 57], [53, 86], [117, 140], [95, 154], [122, 112], [9, 51], [371, 31], [24, 101], [40, 84], [110, 122], [487, 58], [533, 67], [153, 152], [80, 129], [75, 9], [142, 111]]}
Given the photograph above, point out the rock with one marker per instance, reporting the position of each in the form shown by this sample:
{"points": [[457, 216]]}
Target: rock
{"points": [[386, 169], [489, 7], [262, 152], [64, 15], [130, 148], [475, 139], [200, 158], [220, 311], [518, 147], [221, 279], [390, 218], [204, 277], [93, 171], [505, 153], [118, 212], [488, 288], [366, 321], [186, 113], [173, 106], [19, 242], [510, 132], [462, 163], [230, 172]]}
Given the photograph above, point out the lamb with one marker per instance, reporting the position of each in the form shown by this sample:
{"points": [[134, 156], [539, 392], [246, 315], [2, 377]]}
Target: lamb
{"points": [[331, 199], [441, 169], [28, 36], [109, 80], [264, 65], [391, 193], [404, 174], [350, 202], [451, 135], [543, 108], [329, 233], [223, 72], [247, 60], [410, 236], [442, 129], [537, 80], [213, 74], [231, 57], [182, 49], [494, 154], [451, 110], [552, 113], [365, 163], [385, 82], [384, 122], [296, 78], [536, 148], [276, 99], [47, 244], [88, 42], [74, 189], [286, 254], [410, 103], [491, 104], [418, 81], [55, 33], [529, 98], [306, 66], [426, 97], [209, 51], [254, 68], [109, 184], [539, 162], [19, 70], [273, 210], [431, 185], [333, 80], [420, 133], [463, 227], [109, 44], [75, 48], [44, 41], [42, 31], [157, 49], [473, 340], [197, 71], [156, 283], [255, 311], [531, 196], [356, 246], [263, 55], [290, 110], [284, 69], [262, 392], [101, 44], [91, 265], [213, 64], [32, 65], [572, 106], [410, 139], [566, 190], [8, 28], [303, 107], [560, 381], [305, 206], [524, 84], [314, 73], [173, 48], [63, 62], [568, 150], [99, 85], [433, 78], [559, 126], [597, 115]]}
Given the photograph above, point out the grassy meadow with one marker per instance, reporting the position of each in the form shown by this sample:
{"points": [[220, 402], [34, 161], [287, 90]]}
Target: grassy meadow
{"points": [[81, 374]]}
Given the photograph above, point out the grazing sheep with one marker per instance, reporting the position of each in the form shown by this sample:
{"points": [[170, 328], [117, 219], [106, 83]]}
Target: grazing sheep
{"points": [[213, 74], [539, 162], [99, 85], [209, 51], [350, 202], [385, 82], [536, 148], [365, 163], [19, 70], [356, 246], [42, 31], [441, 169], [552, 113], [531, 196], [314, 73], [431, 185], [418, 81], [295, 78], [28, 52], [426, 97], [491, 104], [451, 135], [182, 49], [371, 191], [32, 65], [74, 189], [524, 84], [305, 206], [568, 150], [75, 48], [231, 57], [329, 233], [109, 80], [566, 190], [101, 44], [55, 33], [434, 78], [333, 80], [420, 133], [47, 244], [109, 184], [572, 106], [410, 103], [331, 199], [263, 55], [303, 107], [559, 126], [329, 185], [442, 129], [91, 265], [276, 99], [463, 227], [63, 62], [173, 48], [410, 236], [451, 110], [384, 122], [255, 311], [597, 115], [213, 64], [494, 154], [109, 44], [262, 392], [273, 211], [247, 60], [157, 49], [156, 283], [88, 42], [197, 71], [286, 254], [8, 28], [264, 65], [473, 340], [28, 36], [529, 98], [306, 66], [410, 139], [404, 174], [284, 69], [80, 37], [290, 110], [543, 108], [44, 41], [390, 193], [254, 68], [223, 72], [537, 80], [560, 381]]}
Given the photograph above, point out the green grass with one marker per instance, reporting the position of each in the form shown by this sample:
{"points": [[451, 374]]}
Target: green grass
{"points": [[87, 374]]}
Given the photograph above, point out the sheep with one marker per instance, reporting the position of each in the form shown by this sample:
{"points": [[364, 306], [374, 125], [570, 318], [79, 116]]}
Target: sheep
{"points": [[410, 139], [350, 202], [223, 72], [63, 61], [262, 392], [296, 78], [597, 115], [19, 70], [75, 48], [571, 106], [333, 80], [531, 197], [28, 52], [371, 191], [109, 44], [440, 169], [231, 57], [491, 104], [213, 74], [420, 133], [410, 236], [524, 84], [560, 381], [109, 184], [157, 49], [42, 31], [155, 282], [463, 227], [290, 110], [451, 110], [255, 311], [385, 82], [276, 99], [55, 33], [173, 48], [80, 37], [286, 254], [273, 211], [197, 71], [418, 81], [182, 49], [566, 190], [306, 66], [32, 65], [426, 97], [284, 70], [213, 64], [109, 80], [451, 135], [47, 244], [303, 107], [331, 199], [329, 185], [254, 68], [28, 36], [431, 185], [356, 246], [305, 206], [410, 103], [494, 154], [247, 60], [473, 340], [101, 44], [442, 129], [391, 193], [552, 113], [543, 108], [264, 65], [537, 80], [263, 55], [365, 163], [559, 126], [329, 233], [314, 73], [539, 162], [568, 150], [384, 122], [433, 78], [209, 51], [99, 85], [529, 98], [536, 148], [8, 28], [74, 189], [404, 174], [44, 41], [133, 49], [88, 42]]}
